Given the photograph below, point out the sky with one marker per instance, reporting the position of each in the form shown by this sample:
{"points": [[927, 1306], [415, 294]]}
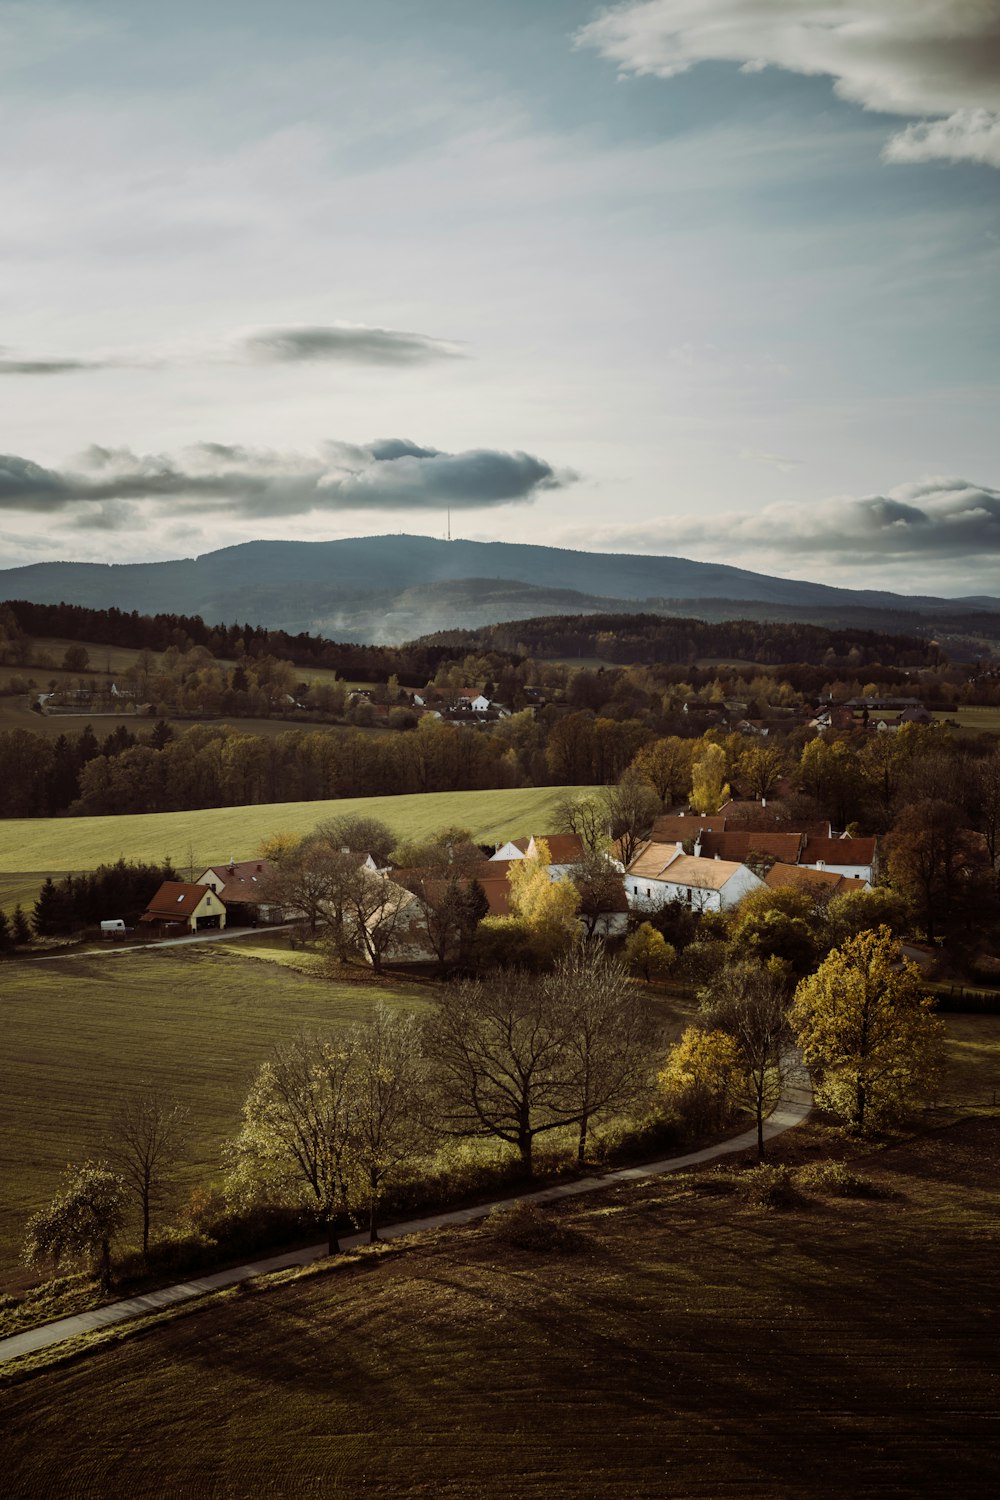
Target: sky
{"points": [[717, 279]]}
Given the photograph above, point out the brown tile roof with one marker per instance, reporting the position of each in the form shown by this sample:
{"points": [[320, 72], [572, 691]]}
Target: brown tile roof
{"points": [[174, 901], [657, 862], [802, 878], [242, 882], [564, 848], [671, 828], [738, 844], [839, 851]]}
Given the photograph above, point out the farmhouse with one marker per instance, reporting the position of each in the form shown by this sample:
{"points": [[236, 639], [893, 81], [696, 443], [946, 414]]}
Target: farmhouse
{"points": [[182, 906], [659, 874], [565, 851], [813, 882], [242, 887], [845, 856]]}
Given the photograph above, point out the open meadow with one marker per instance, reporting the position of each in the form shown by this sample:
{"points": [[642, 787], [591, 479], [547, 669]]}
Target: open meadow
{"points": [[196, 1021], [672, 1343], [204, 836]]}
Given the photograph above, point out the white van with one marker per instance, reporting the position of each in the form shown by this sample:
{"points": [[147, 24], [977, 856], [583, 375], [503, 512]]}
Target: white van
{"points": [[114, 928]]}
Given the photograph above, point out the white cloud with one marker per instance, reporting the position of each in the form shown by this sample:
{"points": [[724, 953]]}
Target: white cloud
{"points": [[967, 135], [933, 518], [937, 59]]}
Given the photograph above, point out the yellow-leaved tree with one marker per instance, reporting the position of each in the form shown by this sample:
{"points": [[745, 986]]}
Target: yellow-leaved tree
{"points": [[868, 1031], [698, 1075], [708, 779], [542, 925]]}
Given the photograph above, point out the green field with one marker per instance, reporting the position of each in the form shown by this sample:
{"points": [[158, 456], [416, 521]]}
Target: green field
{"points": [[685, 1348], [51, 845], [981, 720], [196, 1021]]}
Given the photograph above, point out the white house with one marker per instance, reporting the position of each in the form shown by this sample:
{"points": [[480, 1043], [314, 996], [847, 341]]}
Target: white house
{"points": [[663, 872], [844, 856], [565, 851]]}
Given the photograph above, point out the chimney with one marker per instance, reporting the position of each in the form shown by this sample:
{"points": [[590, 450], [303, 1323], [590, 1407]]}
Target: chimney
{"points": [[697, 847], [763, 801]]}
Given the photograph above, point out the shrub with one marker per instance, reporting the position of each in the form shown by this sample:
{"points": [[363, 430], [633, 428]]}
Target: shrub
{"points": [[834, 1179], [767, 1187], [527, 1227], [175, 1251], [631, 1140]]}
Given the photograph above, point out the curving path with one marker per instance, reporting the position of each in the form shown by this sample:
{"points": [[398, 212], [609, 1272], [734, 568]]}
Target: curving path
{"points": [[795, 1104]]}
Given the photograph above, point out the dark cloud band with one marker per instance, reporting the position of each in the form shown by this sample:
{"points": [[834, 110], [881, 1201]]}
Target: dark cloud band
{"points": [[333, 343], [388, 474]]}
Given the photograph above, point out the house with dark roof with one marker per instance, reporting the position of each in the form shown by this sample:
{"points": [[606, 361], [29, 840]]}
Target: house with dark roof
{"points": [[845, 856], [243, 888]]}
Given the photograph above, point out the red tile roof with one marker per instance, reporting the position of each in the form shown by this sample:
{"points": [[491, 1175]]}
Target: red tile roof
{"points": [[175, 901], [737, 845], [839, 851], [243, 881]]}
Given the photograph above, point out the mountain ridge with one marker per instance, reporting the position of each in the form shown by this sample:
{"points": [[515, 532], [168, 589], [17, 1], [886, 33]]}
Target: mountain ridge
{"points": [[398, 586]]}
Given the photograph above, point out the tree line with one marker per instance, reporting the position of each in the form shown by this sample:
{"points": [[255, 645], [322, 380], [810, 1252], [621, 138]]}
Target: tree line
{"points": [[342, 1124]]}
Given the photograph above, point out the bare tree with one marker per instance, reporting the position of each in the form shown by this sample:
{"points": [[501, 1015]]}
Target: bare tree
{"points": [[379, 911], [630, 808], [498, 1054], [317, 882], [360, 835], [450, 908], [587, 817], [607, 1036], [601, 890], [145, 1139], [748, 1002], [387, 1104]]}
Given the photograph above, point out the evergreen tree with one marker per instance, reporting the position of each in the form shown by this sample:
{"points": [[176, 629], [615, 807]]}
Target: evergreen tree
{"points": [[20, 930], [6, 939]]}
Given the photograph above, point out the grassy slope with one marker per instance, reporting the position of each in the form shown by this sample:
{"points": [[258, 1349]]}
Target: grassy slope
{"points": [[52, 844], [689, 1349], [15, 714], [196, 1021]]}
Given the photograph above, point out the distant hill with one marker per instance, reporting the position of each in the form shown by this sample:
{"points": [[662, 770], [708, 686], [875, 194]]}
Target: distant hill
{"points": [[393, 588]]}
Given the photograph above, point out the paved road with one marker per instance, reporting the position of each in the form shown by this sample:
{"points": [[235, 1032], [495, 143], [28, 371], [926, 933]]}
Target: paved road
{"points": [[793, 1109]]}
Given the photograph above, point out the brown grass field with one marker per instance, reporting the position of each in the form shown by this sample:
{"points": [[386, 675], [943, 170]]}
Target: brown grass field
{"points": [[687, 1347]]}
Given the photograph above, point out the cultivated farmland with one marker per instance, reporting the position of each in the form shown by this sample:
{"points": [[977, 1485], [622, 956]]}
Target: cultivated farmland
{"points": [[680, 1346]]}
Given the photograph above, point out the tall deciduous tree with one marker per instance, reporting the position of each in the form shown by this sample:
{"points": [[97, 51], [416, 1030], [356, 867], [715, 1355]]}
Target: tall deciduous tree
{"points": [[606, 1037], [867, 1031], [708, 779], [631, 807], [145, 1140], [388, 1104], [296, 1130], [498, 1054], [82, 1221], [666, 766], [939, 866], [760, 770], [747, 1002]]}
